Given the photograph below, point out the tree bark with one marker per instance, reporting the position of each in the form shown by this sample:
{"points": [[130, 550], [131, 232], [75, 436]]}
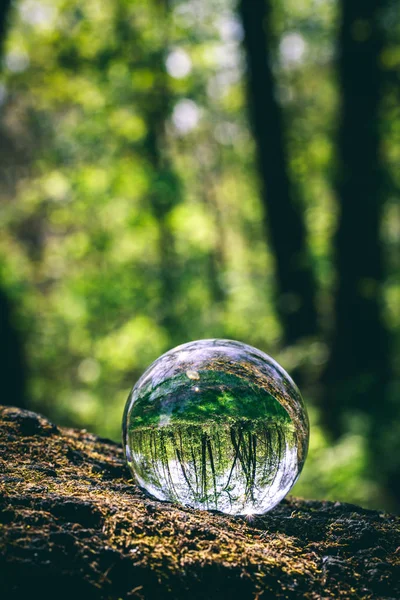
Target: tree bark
{"points": [[286, 232], [72, 523]]}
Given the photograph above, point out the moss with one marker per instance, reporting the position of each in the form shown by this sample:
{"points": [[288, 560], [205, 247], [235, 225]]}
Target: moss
{"points": [[73, 523], [222, 395]]}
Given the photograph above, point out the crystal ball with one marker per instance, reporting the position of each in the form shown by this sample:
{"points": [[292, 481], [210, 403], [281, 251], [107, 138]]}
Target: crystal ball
{"points": [[216, 425]]}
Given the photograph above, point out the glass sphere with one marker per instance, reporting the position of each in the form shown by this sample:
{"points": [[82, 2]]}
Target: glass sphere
{"points": [[216, 425]]}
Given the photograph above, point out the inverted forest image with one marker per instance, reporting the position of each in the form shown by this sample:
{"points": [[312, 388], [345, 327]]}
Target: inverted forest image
{"points": [[182, 170], [216, 425]]}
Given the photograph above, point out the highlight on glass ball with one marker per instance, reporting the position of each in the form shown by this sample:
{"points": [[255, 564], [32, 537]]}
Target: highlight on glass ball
{"points": [[216, 425]]}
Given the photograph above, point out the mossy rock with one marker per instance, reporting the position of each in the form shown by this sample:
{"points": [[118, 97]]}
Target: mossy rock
{"points": [[73, 524]]}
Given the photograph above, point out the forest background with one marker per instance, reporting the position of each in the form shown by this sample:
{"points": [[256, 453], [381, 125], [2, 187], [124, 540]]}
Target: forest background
{"points": [[177, 170]]}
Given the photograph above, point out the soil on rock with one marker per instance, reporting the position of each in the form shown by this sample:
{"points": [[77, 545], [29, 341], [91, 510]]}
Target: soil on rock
{"points": [[73, 524]]}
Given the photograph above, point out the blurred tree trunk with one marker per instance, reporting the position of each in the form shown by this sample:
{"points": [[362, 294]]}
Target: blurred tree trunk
{"points": [[358, 365], [12, 363], [164, 196], [4, 15], [358, 371], [207, 177], [285, 226], [165, 190]]}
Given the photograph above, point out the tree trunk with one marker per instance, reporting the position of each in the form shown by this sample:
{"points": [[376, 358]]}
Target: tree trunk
{"points": [[12, 360], [283, 215], [5, 6], [359, 361], [72, 524], [166, 191], [165, 186], [358, 371], [164, 196]]}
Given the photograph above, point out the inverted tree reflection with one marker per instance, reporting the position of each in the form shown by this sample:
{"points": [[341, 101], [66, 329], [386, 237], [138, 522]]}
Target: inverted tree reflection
{"points": [[233, 467]]}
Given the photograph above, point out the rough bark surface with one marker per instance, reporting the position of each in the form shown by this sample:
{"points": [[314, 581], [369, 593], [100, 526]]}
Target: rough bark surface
{"points": [[73, 524]]}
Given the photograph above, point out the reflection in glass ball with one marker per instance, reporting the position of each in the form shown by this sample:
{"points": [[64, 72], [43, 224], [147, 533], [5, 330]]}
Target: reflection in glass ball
{"points": [[216, 425]]}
